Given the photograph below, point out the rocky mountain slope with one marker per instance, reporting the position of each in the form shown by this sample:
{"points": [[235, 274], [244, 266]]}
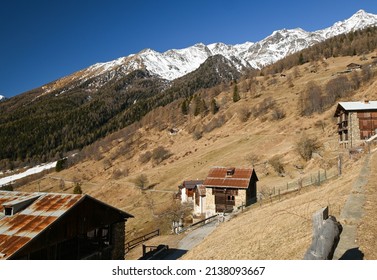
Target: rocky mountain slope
{"points": [[176, 63]]}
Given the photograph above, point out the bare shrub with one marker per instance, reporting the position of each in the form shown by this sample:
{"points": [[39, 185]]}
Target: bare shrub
{"points": [[145, 157], [366, 74], [197, 134], [311, 100], [335, 89], [277, 164], [119, 173], [243, 113], [271, 82], [141, 181], [278, 114], [306, 146], [176, 212], [107, 164], [252, 159], [263, 107], [160, 153], [215, 122]]}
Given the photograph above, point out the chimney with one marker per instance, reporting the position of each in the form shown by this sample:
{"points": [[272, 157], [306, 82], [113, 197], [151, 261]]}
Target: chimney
{"points": [[230, 171]]}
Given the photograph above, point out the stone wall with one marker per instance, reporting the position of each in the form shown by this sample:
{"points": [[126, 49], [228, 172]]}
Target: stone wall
{"points": [[210, 203], [240, 198], [353, 130]]}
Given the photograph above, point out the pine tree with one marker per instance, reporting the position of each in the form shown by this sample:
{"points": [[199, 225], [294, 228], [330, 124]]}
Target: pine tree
{"points": [[185, 107], [301, 59], [236, 95], [197, 105], [214, 107]]}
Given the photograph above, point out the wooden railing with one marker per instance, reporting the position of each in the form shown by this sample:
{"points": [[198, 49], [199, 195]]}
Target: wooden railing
{"points": [[133, 243], [200, 223]]}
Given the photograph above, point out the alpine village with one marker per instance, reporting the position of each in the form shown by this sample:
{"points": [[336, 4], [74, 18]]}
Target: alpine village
{"points": [[245, 151]]}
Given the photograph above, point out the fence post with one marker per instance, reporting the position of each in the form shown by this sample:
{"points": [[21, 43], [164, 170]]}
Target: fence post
{"points": [[144, 249]]}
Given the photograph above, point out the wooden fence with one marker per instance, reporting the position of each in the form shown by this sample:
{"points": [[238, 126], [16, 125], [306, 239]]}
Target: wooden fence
{"points": [[313, 179], [198, 224], [133, 243]]}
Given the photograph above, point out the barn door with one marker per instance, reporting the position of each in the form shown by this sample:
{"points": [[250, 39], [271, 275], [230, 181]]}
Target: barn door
{"points": [[224, 201]]}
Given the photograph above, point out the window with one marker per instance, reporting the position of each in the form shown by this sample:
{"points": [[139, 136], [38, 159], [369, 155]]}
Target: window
{"points": [[8, 211], [230, 198]]}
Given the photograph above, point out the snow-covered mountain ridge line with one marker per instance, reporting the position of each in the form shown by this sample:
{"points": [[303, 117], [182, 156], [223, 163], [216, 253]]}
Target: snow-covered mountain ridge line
{"points": [[176, 63]]}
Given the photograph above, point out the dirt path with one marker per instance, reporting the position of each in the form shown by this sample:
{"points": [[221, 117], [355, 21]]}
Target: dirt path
{"points": [[351, 215], [191, 239]]}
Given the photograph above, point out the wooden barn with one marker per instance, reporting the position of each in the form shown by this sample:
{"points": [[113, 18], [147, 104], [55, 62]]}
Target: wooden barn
{"points": [[357, 122], [229, 188], [59, 226]]}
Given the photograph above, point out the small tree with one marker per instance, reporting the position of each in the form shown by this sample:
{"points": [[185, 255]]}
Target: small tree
{"points": [[77, 189], [141, 181], [60, 164], [236, 95], [301, 59], [185, 107], [214, 108]]}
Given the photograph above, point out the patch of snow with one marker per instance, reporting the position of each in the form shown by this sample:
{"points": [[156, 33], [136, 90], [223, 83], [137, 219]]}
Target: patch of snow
{"points": [[30, 171]]}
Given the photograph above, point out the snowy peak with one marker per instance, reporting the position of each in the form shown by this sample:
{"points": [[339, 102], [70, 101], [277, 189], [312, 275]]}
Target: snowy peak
{"points": [[2, 98], [176, 63], [359, 20]]}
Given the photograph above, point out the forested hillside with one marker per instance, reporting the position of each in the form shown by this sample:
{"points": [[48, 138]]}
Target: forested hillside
{"points": [[38, 128]]}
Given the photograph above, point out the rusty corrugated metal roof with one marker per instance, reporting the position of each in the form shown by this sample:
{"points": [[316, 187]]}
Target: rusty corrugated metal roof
{"points": [[35, 212], [229, 177]]}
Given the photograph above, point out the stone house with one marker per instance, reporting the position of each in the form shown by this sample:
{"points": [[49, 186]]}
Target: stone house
{"points": [[229, 188], [356, 121]]}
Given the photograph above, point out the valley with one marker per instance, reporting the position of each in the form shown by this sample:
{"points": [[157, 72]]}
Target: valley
{"points": [[129, 132], [109, 170]]}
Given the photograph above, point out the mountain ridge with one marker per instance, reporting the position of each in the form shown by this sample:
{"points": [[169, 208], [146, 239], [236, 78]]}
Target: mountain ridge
{"points": [[175, 63]]}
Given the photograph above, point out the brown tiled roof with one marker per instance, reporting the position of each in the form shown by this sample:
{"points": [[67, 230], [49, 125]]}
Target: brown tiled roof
{"points": [[238, 178]]}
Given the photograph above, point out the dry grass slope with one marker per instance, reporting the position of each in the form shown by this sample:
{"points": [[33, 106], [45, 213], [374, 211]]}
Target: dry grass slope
{"points": [[277, 231]]}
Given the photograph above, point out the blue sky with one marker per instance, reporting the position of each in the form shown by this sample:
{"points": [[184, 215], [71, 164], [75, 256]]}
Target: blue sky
{"points": [[43, 40]]}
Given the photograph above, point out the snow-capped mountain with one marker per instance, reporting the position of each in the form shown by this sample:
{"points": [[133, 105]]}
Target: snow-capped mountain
{"points": [[176, 63], [2, 98]]}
